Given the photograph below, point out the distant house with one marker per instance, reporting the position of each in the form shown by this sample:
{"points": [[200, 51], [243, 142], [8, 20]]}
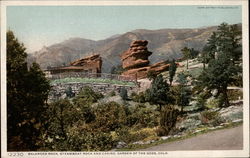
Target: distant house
{"points": [[90, 64]]}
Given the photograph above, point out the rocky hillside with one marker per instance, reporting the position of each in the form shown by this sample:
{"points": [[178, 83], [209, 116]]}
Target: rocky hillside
{"points": [[164, 43]]}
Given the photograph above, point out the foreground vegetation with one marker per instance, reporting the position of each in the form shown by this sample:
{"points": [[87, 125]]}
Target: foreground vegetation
{"points": [[178, 102]]}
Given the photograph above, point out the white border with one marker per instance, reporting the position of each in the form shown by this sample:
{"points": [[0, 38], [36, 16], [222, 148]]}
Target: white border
{"points": [[213, 153]]}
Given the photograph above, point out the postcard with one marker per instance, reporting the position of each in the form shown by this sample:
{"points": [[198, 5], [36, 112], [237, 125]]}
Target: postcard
{"points": [[124, 79]]}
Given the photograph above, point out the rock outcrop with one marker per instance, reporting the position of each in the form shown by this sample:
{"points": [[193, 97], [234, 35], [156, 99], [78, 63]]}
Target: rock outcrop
{"points": [[93, 62], [90, 64], [135, 60], [136, 56]]}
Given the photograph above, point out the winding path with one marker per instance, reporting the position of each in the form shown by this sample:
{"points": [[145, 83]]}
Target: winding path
{"points": [[226, 139]]}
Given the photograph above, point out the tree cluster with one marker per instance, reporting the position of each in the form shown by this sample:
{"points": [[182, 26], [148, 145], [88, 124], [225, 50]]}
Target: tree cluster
{"points": [[27, 93], [223, 55]]}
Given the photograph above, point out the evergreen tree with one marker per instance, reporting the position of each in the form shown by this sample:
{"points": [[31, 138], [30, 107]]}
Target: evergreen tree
{"points": [[203, 58], [27, 92], [172, 70], [116, 70], [158, 92], [227, 39], [225, 53], [151, 75], [124, 93], [194, 53], [186, 54], [183, 91], [88, 96]]}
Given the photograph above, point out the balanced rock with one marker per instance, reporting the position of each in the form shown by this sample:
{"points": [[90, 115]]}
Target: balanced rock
{"points": [[136, 56], [135, 61]]}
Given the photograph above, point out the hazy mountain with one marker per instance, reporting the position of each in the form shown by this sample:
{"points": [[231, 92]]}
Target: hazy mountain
{"points": [[164, 43]]}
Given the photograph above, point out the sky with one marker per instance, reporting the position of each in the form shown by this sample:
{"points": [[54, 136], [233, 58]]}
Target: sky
{"points": [[38, 26]]}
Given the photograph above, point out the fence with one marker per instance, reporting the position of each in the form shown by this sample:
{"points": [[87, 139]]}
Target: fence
{"points": [[92, 75]]}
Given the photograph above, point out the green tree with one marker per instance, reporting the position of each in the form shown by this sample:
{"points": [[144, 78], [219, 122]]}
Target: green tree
{"points": [[88, 96], [124, 93], [109, 117], [194, 53], [203, 58], [168, 119], [117, 69], [62, 119], [172, 70], [158, 93], [226, 39], [183, 91], [60, 116], [151, 75], [224, 49], [186, 54], [69, 92], [27, 92], [83, 102]]}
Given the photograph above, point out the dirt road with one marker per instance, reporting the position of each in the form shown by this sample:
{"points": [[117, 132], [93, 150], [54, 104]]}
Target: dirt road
{"points": [[226, 139]]}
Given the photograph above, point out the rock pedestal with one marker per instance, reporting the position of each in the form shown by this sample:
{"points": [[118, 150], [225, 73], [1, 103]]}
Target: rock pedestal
{"points": [[135, 60], [136, 56]]}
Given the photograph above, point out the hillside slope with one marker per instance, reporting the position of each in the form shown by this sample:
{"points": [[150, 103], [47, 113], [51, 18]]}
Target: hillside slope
{"points": [[165, 44]]}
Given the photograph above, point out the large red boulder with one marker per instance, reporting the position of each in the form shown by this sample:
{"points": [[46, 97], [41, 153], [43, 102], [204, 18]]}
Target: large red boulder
{"points": [[136, 56], [135, 60]]}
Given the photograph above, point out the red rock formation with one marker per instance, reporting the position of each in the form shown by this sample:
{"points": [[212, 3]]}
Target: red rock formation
{"points": [[90, 64], [135, 60], [93, 62], [136, 56], [143, 71]]}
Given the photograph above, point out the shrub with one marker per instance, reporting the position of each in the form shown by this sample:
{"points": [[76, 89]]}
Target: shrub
{"points": [[208, 115], [168, 120], [158, 93], [129, 136], [117, 69], [88, 96], [160, 131], [138, 97], [141, 116], [133, 95], [211, 117], [201, 101], [124, 135], [83, 139], [112, 93], [124, 93], [234, 94], [61, 114], [212, 103], [109, 117], [69, 92], [151, 75]]}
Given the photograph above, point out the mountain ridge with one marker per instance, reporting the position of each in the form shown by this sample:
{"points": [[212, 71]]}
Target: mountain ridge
{"points": [[164, 43]]}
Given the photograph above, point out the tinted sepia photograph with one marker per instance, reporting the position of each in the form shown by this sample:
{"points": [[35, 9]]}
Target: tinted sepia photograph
{"points": [[132, 79]]}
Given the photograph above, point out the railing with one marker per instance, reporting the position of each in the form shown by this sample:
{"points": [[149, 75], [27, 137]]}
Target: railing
{"points": [[92, 75]]}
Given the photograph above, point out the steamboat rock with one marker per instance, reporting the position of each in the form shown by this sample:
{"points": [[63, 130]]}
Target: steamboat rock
{"points": [[135, 60]]}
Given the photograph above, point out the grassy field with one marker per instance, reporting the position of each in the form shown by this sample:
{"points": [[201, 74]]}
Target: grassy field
{"points": [[92, 80]]}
